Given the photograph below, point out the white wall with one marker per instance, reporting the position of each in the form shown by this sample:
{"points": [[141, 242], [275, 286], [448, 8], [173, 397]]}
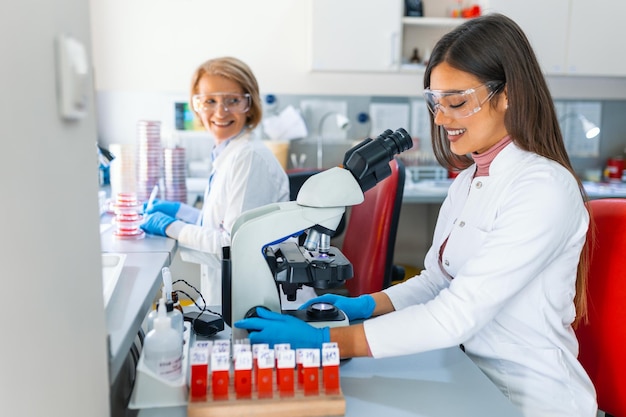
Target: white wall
{"points": [[154, 45], [54, 357]]}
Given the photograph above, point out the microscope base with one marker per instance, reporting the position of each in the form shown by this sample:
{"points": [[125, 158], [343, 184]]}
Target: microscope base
{"points": [[340, 320]]}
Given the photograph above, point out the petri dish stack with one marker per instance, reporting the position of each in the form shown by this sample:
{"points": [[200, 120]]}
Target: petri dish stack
{"points": [[174, 174], [123, 169], [149, 157], [127, 219]]}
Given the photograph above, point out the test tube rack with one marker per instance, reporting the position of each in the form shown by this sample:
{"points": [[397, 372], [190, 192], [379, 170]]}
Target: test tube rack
{"points": [[291, 388], [298, 405]]}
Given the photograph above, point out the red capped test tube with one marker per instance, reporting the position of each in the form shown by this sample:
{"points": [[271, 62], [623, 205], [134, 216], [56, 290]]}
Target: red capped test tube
{"points": [[255, 352], [243, 374], [265, 370], [199, 362], [299, 368], [220, 367], [310, 371], [277, 348], [285, 363], [330, 368]]}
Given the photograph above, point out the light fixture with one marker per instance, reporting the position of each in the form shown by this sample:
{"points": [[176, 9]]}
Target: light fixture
{"points": [[342, 123], [591, 129]]}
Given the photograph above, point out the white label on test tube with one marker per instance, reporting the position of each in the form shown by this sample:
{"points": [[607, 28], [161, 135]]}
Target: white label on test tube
{"points": [[286, 358], [220, 361], [311, 358], [198, 356], [240, 347], [243, 360], [204, 344], [330, 345], [258, 347], [330, 356], [281, 346], [265, 359], [221, 346]]}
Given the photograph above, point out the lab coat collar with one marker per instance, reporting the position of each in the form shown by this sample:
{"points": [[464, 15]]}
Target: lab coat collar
{"points": [[507, 159], [231, 145]]}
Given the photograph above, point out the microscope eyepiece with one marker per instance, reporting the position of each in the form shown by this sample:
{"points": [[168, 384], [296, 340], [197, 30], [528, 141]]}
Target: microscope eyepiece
{"points": [[369, 160]]}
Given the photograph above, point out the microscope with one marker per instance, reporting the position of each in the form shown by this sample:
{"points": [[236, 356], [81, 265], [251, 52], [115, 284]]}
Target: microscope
{"points": [[284, 246]]}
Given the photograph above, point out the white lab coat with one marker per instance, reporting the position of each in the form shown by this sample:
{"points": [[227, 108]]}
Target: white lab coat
{"points": [[514, 242], [245, 175]]}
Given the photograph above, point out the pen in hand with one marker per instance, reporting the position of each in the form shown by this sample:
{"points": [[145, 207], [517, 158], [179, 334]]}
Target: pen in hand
{"points": [[153, 195]]}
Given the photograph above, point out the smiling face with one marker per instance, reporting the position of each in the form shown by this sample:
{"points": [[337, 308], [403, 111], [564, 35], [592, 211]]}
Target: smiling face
{"points": [[222, 123], [479, 131]]}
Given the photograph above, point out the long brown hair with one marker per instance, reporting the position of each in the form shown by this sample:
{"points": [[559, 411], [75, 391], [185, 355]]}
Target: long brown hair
{"points": [[494, 48]]}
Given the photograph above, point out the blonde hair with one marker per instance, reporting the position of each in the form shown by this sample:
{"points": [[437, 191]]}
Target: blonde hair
{"points": [[237, 71]]}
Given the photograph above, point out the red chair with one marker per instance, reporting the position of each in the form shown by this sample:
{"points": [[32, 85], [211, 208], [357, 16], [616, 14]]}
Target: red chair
{"points": [[370, 235], [603, 338]]}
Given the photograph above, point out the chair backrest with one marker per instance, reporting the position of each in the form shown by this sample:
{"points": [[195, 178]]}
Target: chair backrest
{"points": [[370, 235], [603, 338]]}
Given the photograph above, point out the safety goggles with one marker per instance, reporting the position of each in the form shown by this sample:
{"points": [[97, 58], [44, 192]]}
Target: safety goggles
{"points": [[230, 102], [460, 104]]}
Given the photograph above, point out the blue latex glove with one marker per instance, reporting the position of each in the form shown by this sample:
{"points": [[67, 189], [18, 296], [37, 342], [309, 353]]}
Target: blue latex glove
{"points": [[355, 308], [156, 223], [274, 328], [166, 207]]}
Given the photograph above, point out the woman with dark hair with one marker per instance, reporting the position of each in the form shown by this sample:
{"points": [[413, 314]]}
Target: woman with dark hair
{"points": [[245, 174], [502, 277]]}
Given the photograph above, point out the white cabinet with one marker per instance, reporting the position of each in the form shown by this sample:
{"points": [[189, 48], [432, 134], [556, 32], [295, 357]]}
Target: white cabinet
{"points": [[546, 24], [571, 37], [356, 35], [596, 44], [373, 35]]}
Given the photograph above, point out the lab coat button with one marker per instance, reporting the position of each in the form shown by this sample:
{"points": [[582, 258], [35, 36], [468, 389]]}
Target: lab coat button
{"points": [[446, 262], [479, 184], [461, 224]]}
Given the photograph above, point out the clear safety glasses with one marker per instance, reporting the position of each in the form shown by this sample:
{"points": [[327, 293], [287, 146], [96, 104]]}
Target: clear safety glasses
{"points": [[460, 104], [230, 102]]}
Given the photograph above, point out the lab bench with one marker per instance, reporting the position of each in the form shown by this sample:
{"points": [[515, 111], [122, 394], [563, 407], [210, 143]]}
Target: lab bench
{"points": [[413, 385], [435, 191], [139, 281], [419, 385]]}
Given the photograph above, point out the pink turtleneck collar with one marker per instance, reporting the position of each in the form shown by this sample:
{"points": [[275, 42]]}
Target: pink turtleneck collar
{"points": [[483, 160]]}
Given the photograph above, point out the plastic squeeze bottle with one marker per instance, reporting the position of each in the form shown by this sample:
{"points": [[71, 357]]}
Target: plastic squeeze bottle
{"points": [[173, 313], [163, 347]]}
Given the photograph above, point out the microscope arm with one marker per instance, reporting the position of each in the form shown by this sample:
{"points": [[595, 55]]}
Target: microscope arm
{"points": [[252, 282]]}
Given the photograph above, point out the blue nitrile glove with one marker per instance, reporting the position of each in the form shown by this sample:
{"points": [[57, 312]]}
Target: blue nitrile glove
{"points": [[355, 308], [166, 207], [178, 210], [274, 328], [156, 223]]}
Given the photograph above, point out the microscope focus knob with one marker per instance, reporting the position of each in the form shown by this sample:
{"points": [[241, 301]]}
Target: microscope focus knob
{"points": [[252, 312]]}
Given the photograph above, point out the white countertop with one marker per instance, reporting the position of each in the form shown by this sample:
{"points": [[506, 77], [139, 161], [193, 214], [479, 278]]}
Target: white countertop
{"points": [[435, 191]]}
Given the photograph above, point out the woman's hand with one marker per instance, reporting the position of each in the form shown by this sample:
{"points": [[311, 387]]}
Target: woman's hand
{"points": [[156, 223], [166, 207], [361, 307], [273, 328]]}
